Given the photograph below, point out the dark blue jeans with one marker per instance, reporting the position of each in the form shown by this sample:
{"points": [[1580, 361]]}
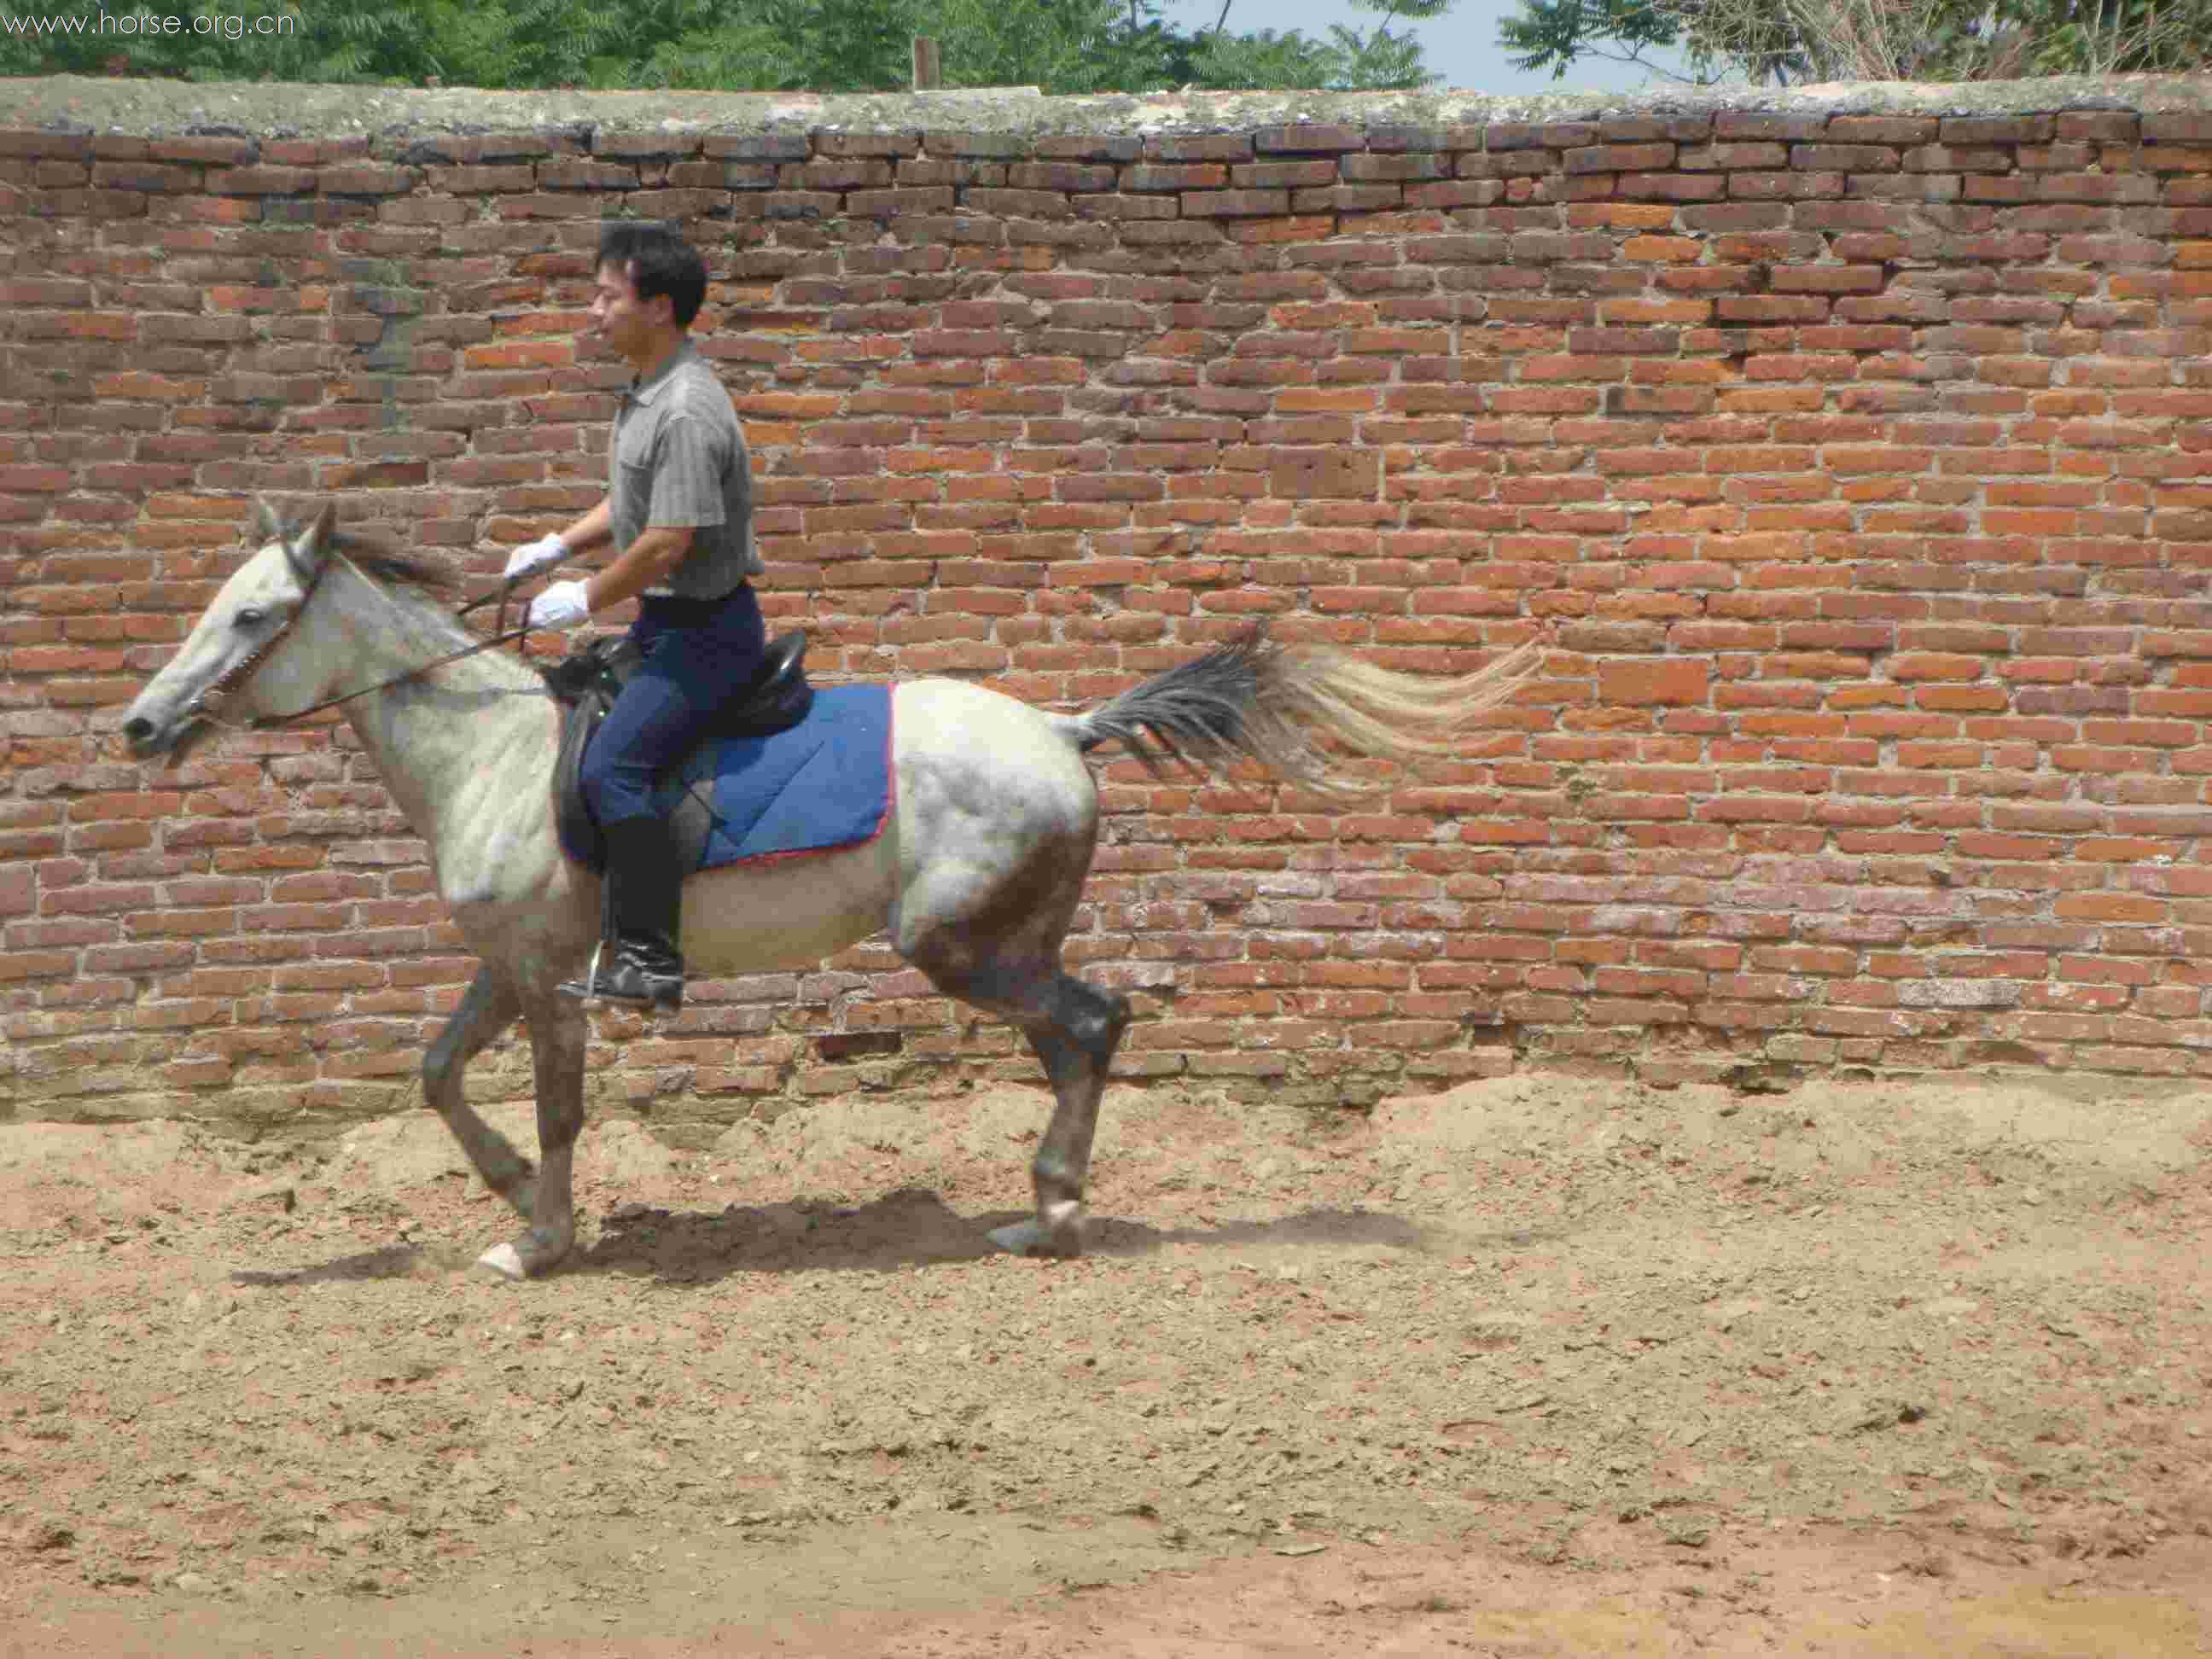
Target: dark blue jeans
{"points": [[698, 654]]}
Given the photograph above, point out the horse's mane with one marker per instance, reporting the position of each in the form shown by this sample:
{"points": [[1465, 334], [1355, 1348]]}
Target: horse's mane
{"points": [[377, 557], [427, 583]]}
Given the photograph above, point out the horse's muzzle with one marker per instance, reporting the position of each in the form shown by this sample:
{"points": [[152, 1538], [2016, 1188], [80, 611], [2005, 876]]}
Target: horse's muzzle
{"points": [[170, 744]]}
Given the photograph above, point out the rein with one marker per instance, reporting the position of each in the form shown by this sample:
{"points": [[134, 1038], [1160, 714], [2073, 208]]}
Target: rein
{"points": [[210, 700]]}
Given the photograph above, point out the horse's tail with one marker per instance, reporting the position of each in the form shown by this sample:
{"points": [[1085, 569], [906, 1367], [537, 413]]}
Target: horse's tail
{"points": [[1253, 699]]}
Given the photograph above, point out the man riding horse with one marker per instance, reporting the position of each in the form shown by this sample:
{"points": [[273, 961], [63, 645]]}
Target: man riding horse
{"points": [[678, 510]]}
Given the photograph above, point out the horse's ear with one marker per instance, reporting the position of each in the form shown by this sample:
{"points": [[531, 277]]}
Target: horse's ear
{"points": [[309, 553], [266, 525]]}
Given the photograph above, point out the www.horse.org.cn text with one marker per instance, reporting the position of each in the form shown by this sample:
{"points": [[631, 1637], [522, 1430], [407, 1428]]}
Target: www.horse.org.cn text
{"points": [[141, 24]]}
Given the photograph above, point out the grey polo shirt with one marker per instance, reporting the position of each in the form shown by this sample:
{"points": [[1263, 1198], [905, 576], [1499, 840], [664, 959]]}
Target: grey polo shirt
{"points": [[679, 459]]}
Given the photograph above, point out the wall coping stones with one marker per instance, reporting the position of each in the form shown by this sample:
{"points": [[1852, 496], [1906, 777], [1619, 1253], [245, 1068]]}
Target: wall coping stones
{"points": [[396, 117]]}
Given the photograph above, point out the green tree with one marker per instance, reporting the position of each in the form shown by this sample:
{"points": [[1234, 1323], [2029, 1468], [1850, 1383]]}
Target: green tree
{"points": [[1377, 60], [1220, 61], [822, 45], [2105, 36], [1784, 41], [1351, 60], [502, 43], [1556, 34], [779, 45], [1058, 45]]}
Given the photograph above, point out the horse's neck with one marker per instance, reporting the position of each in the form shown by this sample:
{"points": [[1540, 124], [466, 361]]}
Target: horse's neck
{"points": [[434, 740]]}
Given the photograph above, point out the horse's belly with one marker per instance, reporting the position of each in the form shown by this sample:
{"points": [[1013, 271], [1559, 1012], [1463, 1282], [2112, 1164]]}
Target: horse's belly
{"points": [[786, 913]]}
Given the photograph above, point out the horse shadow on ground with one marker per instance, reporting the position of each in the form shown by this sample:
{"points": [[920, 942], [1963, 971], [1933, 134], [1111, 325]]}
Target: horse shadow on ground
{"points": [[911, 1227]]}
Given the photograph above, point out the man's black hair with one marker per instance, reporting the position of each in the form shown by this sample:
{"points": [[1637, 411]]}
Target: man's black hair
{"points": [[657, 261]]}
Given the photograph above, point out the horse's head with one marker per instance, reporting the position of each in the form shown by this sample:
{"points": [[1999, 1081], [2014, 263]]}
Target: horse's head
{"points": [[244, 657]]}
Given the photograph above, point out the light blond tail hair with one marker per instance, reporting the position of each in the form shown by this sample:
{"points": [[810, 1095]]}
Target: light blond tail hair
{"points": [[1253, 699]]}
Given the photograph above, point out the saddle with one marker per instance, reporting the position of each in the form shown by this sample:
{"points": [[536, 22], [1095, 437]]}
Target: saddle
{"points": [[587, 682]]}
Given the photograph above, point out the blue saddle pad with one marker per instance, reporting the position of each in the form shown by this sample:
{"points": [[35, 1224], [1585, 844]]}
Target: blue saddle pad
{"points": [[824, 783]]}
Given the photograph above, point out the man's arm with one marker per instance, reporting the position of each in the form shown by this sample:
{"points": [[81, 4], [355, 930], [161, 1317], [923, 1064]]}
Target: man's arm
{"points": [[646, 562], [594, 527], [687, 468]]}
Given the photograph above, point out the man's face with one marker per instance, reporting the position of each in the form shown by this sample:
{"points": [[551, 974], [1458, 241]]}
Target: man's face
{"points": [[620, 318]]}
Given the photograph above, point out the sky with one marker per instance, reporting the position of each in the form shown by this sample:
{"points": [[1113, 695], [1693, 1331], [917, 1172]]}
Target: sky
{"points": [[1462, 45]]}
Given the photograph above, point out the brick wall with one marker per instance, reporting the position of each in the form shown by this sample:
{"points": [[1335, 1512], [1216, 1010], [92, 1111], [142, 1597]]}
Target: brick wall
{"points": [[1863, 460]]}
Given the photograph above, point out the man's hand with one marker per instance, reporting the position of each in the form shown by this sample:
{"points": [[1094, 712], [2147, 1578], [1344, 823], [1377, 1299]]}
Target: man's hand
{"points": [[541, 555], [561, 605]]}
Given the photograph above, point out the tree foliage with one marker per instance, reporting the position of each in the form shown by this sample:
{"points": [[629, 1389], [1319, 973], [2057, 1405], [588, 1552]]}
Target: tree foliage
{"points": [[819, 45], [1786, 41]]}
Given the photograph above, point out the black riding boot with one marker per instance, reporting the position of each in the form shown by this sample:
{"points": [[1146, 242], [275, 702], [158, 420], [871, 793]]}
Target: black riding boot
{"points": [[639, 962]]}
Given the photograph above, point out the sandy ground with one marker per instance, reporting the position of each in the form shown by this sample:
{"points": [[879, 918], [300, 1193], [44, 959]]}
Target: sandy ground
{"points": [[1541, 1366]]}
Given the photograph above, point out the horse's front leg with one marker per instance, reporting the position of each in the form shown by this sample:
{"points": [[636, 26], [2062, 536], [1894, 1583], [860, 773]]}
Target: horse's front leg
{"points": [[488, 1008], [558, 1033]]}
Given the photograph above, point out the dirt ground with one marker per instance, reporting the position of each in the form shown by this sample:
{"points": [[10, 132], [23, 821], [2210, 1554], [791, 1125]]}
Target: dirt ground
{"points": [[1541, 1366]]}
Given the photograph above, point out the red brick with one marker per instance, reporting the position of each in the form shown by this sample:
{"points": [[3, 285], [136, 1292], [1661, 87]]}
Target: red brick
{"points": [[1221, 203], [1309, 139], [1674, 680]]}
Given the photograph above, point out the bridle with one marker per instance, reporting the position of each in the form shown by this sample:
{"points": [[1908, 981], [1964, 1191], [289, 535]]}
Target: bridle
{"points": [[206, 705]]}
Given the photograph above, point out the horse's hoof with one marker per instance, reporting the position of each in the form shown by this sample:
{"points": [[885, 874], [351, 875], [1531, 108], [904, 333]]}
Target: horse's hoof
{"points": [[1031, 1238], [538, 1251], [504, 1259]]}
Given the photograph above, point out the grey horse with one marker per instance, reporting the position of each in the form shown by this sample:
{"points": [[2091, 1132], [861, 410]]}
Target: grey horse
{"points": [[975, 877]]}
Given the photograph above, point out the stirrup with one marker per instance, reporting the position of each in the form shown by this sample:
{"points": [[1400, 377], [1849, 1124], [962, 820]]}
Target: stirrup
{"points": [[627, 984], [587, 988]]}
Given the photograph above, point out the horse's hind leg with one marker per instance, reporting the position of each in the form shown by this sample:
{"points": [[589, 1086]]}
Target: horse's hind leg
{"points": [[1074, 1028], [1076, 1040], [1002, 821], [489, 1006]]}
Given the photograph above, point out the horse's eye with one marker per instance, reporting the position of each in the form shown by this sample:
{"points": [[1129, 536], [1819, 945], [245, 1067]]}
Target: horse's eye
{"points": [[249, 617]]}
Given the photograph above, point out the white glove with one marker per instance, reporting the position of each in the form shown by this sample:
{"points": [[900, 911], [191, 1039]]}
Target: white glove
{"points": [[561, 605], [541, 555]]}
